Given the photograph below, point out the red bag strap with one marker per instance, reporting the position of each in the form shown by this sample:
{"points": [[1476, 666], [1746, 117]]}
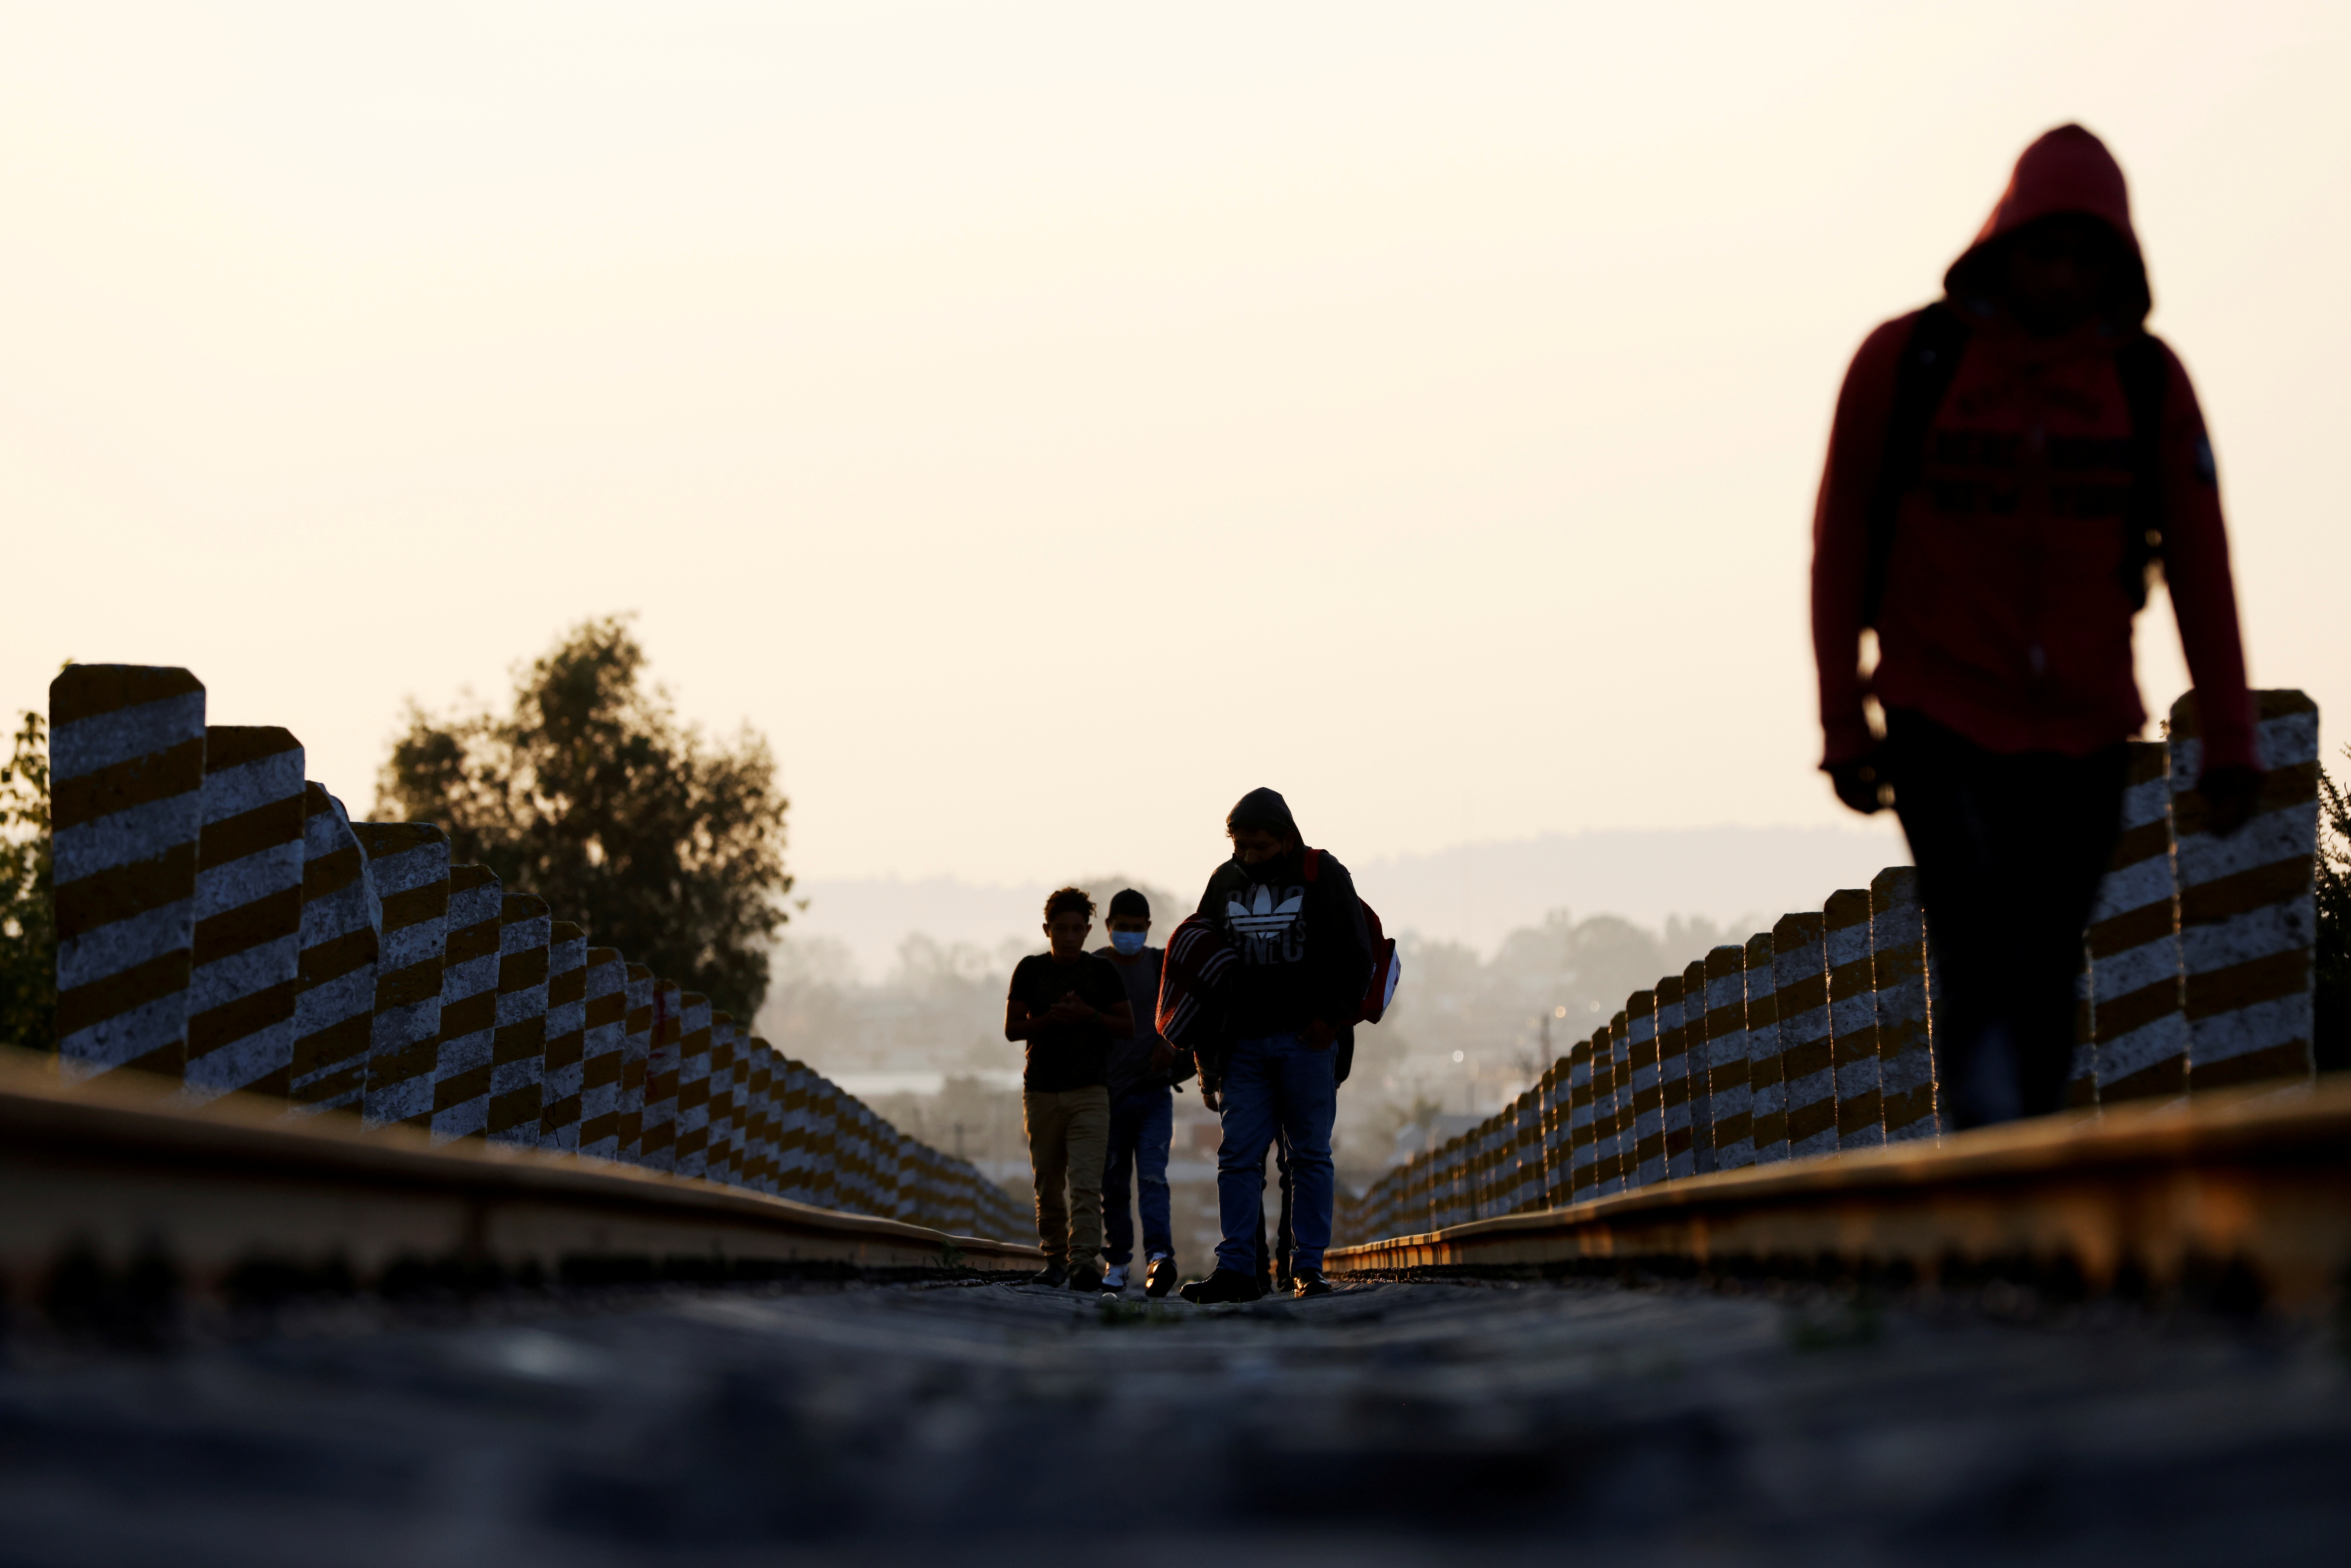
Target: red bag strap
{"points": [[1311, 857]]}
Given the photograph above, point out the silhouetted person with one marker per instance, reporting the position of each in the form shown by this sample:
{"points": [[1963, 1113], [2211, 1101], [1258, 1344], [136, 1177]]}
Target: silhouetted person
{"points": [[1142, 1076], [1305, 962], [1068, 1006], [2006, 468]]}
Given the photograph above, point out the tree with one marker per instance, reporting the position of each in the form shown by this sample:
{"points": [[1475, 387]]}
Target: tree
{"points": [[28, 923], [2332, 1028], [591, 795]]}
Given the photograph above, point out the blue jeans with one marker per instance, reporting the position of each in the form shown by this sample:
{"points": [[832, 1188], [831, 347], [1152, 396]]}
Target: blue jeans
{"points": [[1274, 1084], [1140, 1125]]}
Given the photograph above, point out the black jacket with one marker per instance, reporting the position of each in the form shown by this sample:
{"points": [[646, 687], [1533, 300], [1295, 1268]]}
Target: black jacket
{"points": [[1305, 950]]}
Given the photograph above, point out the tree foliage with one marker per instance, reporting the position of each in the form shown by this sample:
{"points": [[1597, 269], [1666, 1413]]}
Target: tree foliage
{"points": [[592, 795], [28, 926]]}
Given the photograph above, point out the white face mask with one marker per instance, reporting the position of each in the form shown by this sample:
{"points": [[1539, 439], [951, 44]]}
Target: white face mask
{"points": [[1128, 942]]}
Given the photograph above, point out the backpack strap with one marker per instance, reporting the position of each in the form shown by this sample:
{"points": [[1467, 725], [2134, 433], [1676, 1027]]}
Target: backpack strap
{"points": [[1313, 858], [1931, 358], [2144, 369]]}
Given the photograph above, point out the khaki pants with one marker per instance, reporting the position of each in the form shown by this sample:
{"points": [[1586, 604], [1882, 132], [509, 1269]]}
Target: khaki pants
{"points": [[1068, 1139]]}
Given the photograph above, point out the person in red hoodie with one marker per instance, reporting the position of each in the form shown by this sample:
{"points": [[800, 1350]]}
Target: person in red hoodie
{"points": [[2007, 469]]}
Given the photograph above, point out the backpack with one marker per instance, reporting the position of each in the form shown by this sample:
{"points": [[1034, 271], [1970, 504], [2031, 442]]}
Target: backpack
{"points": [[1386, 967], [1931, 358]]}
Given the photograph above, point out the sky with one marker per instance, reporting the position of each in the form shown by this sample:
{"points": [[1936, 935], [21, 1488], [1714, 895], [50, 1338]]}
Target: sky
{"points": [[1045, 422]]}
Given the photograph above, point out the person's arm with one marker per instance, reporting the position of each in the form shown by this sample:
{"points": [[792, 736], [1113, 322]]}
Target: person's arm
{"points": [[1018, 1024], [2204, 600], [1841, 552]]}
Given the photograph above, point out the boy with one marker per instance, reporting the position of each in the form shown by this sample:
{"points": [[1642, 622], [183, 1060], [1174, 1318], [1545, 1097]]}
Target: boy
{"points": [[1068, 1005], [1143, 1074]]}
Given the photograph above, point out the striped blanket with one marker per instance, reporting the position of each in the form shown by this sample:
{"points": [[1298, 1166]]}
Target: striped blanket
{"points": [[1192, 984]]}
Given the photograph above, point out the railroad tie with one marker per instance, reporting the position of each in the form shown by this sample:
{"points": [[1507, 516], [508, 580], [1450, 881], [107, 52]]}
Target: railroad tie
{"points": [[1731, 1105], [1807, 1064], [2248, 909], [1767, 1090], [1853, 1019], [469, 1007], [2137, 1027], [694, 1084], [126, 783], [659, 1144], [640, 987], [1698, 1020], [1582, 1151], [1642, 1058], [408, 878], [334, 1004], [603, 1049], [248, 945], [1674, 1074], [1897, 959], [565, 1060]]}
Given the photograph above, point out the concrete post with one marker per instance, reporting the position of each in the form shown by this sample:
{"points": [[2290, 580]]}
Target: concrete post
{"points": [[1728, 1090], [604, 1045], [1641, 1052], [765, 1065], [1853, 1019], [1582, 1151], [2082, 1077], [126, 782], [2138, 1024], [1697, 1022], [693, 1085], [644, 991], [1550, 1092], [1767, 1090], [564, 1063], [248, 938], [2248, 910], [1897, 958], [792, 1130], [1604, 1123], [334, 1001], [408, 877], [718, 1163], [1799, 967], [659, 1138], [469, 1006], [518, 1050], [1674, 1075]]}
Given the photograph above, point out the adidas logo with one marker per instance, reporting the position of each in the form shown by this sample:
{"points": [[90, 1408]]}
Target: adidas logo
{"points": [[1260, 915]]}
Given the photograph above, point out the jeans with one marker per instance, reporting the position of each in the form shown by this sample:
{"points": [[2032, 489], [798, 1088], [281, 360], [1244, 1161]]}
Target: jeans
{"points": [[2010, 849], [1274, 1259], [1067, 1134], [1140, 1127], [1274, 1084]]}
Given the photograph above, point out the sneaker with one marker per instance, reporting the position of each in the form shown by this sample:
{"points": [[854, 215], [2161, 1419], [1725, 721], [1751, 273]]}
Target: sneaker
{"points": [[1085, 1280], [1224, 1285], [1160, 1278], [1310, 1282], [1115, 1278], [1053, 1275]]}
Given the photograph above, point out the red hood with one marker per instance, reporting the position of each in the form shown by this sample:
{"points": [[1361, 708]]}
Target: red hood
{"points": [[2068, 170]]}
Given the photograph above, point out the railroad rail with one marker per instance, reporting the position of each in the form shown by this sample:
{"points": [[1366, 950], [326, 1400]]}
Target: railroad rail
{"points": [[2243, 1196], [121, 1178]]}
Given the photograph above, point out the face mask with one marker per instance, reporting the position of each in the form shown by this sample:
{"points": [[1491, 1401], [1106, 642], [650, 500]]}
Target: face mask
{"points": [[1128, 942]]}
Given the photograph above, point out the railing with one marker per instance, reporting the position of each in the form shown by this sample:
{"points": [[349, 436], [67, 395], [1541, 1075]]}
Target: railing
{"points": [[1818, 1037], [223, 924]]}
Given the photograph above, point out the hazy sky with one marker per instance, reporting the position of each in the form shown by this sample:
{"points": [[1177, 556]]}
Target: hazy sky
{"points": [[1046, 422]]}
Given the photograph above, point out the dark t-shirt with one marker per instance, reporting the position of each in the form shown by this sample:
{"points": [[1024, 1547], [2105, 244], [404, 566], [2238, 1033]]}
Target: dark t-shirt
{"points": [[1066, 1055], [1130, 1066]]}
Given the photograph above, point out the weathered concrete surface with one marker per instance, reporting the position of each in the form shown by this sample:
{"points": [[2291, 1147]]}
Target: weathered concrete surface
{"points": [[984, 1423]]}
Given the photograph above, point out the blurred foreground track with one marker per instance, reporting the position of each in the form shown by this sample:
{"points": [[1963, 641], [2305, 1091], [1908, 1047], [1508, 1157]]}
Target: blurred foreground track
{"points": [[2242, 1198], [117, 1189], [1384, 1424]]}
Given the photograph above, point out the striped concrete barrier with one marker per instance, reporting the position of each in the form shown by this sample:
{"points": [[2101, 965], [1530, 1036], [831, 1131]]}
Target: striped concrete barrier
{"points": [[659, 1144], [1674, 1075], [641, 991], [2248, 910], [1640, 1016], [1897, 958], [1807, 1064], [126, 781], [1605, 1106], [518, 1052], [694, 1084], [766, 1064], [2138, 1027], [1550, 1091], [563, 1067], [334, 1001], [469, 1006], [248, 939], [1767, 1090], [1731, 1107], [2082, 1075], [1582, 1151], [408, 877], [1853, 1018], [604, 1040], [719, 1161], [792, 1128], [1697, 1019]]}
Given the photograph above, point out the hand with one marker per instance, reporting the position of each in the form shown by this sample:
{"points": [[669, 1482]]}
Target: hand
{"points": [[2231, 795], [1071, 1009], [1860, 783], [1163, 1056], [1210, 1099], [1318, 1036]]}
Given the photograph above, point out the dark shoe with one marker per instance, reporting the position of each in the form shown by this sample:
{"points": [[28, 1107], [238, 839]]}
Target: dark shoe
{"points": [[1310, 1282], [1053, 1275], [1085, 1280], [1160, 1278], [1224, 1285]]}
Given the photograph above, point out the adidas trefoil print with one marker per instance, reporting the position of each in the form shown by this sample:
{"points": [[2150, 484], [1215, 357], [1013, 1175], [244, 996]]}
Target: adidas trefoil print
{"points": [[1268, 929]]}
